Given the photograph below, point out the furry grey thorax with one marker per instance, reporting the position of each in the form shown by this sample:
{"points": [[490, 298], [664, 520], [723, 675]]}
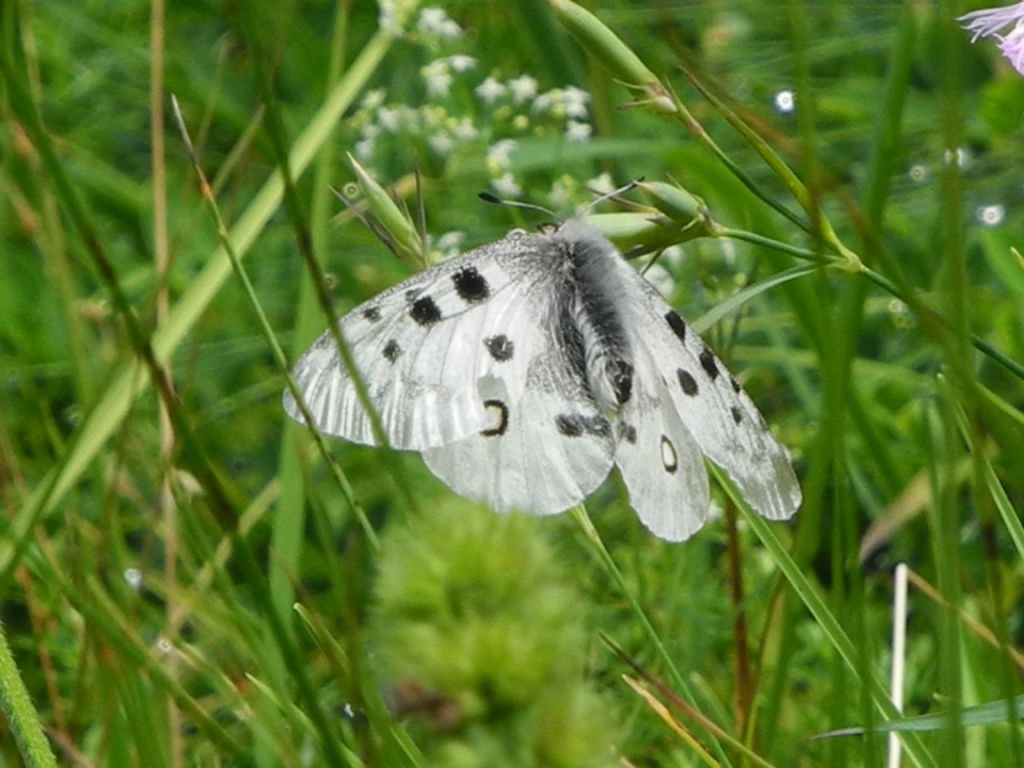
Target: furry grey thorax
{"points": [[592, 279]]}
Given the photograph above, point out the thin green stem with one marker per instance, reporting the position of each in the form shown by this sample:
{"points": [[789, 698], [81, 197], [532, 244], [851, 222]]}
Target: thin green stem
{"points": [[930, 318], [126, 384], [20, 714], [776, 245], [268, 332]]}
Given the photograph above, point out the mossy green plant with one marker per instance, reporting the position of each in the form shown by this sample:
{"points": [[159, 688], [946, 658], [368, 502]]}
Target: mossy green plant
{"points": [[481, 639]]}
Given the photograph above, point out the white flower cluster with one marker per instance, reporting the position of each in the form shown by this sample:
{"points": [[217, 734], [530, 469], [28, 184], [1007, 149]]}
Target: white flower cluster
{"points": [[438, 74], [510, 109], [569, 103], [393, 14], [521, 89], [435, 22]]}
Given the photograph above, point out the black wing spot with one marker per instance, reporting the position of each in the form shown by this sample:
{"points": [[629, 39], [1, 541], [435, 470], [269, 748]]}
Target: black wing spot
{"points": [[627, 432], [425, 311], [569, 424], [500, 347], [707, 362], [676, 323], [576, 424], [500, 410], [669, 459], [372, 314], [392, 350], [737, 414], [687, 382], [622, 380], [471, 285]]}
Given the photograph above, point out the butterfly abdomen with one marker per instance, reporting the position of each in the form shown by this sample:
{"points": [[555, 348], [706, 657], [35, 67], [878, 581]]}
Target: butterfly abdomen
{"points": [[593, 276]]}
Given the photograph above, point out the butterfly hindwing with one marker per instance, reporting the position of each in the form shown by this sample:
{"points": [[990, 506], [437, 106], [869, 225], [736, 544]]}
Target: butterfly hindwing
{"points": [[685, 405], [723, 420], [543, 451], [660, 462]]}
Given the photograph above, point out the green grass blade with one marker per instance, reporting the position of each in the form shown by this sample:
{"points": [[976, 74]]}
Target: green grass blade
{"points": [[128, 381], [812, 599]]}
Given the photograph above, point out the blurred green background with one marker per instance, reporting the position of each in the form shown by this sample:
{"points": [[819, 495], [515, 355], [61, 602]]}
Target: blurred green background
{"points": [[198, 590]]}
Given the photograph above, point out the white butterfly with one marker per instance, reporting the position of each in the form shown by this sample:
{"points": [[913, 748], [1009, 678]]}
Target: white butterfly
{"points": [[524, 369]]}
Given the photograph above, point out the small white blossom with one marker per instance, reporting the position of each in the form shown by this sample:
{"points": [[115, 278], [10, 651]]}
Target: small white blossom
{"points": [[461, 62], [988, 22], [431, 19], [576, 100], [499, 155], [523, 88], [464, 130], [434, 21], [450, 243], [394, 13], [441, 143], [373, 99], [388, 119], [545, 102], [490, 90], [451, 30], [577, 132], [601, 184], [133, 577], [438, 77], [506, 185]]}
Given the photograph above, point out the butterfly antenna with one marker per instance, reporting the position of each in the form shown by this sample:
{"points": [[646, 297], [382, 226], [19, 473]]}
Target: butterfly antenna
{"points": [[487, 197], [614, 194]]}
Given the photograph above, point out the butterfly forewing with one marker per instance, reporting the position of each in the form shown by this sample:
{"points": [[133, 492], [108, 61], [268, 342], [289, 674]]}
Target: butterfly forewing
{"points": [[420, 348], [660, 461]]}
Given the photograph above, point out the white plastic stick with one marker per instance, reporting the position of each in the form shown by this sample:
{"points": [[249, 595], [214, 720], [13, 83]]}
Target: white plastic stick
{"points": [[899, 647]]}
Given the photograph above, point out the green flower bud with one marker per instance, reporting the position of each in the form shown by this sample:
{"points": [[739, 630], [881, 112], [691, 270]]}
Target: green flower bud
{"points": [[609, 49], [395, 223]]}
